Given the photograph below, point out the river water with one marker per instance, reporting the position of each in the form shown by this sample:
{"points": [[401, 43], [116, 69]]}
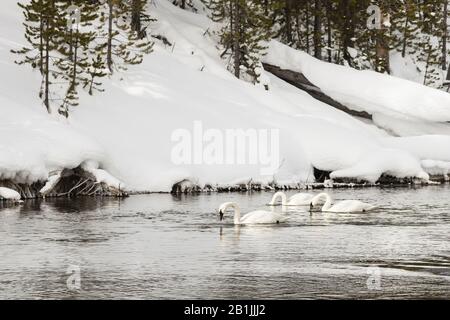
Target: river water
{"points": [[161, 246]]}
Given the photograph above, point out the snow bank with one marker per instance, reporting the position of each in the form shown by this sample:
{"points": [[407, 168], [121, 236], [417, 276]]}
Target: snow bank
{"points": [[102, 176], [352, 155], [9, 194], [436, 147], [32, 144], [392, 162], [365, 90], [434, 167], [405, 67], [126, 135], [410, 127]]}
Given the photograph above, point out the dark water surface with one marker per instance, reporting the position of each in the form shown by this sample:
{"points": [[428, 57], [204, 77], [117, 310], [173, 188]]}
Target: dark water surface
{"points": [[162, 246]]}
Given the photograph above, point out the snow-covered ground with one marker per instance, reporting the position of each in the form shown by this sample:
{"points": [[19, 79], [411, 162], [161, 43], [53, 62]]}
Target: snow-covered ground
{"points": [[128, 131], [366, 90], [9, 194]]}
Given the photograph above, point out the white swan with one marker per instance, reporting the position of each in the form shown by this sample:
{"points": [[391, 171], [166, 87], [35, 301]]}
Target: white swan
{"points": [[299, 199], [346, 206], [254, 217]]}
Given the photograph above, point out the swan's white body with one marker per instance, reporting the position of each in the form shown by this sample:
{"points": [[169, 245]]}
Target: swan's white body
{"points": [[254, 217], [299, 199], [346, 206]]}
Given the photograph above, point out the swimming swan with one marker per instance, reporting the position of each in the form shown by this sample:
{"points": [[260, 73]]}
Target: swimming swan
{"points": [[254, 217], [299, 199], [346, 206]]}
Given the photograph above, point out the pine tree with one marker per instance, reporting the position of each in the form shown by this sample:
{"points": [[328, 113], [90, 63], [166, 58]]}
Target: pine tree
{"points": [[243, 35], [97, 69], [318, 29], [428, 43], [34, 34], [139, 16], [329, 28], [70, 54], [43, 25], [383, 39], [405, 23], [445, 21], [121, 45], [76, 45]]}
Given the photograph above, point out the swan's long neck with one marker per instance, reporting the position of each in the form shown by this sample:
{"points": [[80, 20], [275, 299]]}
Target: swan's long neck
{"points": [[277, 195], [237, 211], [327, 204], [237, 215], [327, 198]]}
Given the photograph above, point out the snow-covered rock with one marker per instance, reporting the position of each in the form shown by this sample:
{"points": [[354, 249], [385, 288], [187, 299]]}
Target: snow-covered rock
{"points": [[9, 194], [434, 167], [102, 176], [52, 181]]}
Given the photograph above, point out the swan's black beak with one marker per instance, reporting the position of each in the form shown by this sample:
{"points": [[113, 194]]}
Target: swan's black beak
{"points": [[220, 216]]}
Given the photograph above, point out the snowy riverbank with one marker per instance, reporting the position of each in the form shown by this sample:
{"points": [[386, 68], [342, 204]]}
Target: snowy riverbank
{"points": [[128, 131]]}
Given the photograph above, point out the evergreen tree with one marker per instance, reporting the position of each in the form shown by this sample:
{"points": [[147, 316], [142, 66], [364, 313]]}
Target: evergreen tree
{"points": [[383, 39], [97, 69], [445, 22], [428, 42], [43, 25], [405, 22], [71, 54], [139, 17], [120, 44], [318, 29], [243, 35], [76, 44]]}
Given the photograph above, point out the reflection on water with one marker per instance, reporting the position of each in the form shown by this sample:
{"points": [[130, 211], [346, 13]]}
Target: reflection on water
{"points": [[164, 246]]}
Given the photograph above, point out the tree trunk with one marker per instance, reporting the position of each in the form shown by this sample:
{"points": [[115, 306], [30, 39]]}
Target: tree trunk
{"points": [[288, 18], [47, 65], [298, 29], [307, 27], [349, 30], [298, 80], [425, 77], [266, 8], [110, 36], [382, 46], [445, 36], [405, 37], [317, 29], [75, 62], [405, 33], [41, 44], [329, 34], [236, 40], [136, 25]]}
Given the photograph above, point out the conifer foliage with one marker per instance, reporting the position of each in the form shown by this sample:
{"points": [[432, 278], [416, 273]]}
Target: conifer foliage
{"points": [[75, 44], [243, 35], [110, 35], [341, 31], [43, 27], [122, 41]]}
